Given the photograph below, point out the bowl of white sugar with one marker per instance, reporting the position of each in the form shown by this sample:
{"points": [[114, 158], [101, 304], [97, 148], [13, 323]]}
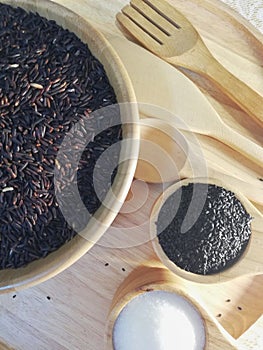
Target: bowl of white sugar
{"points": [[159, 320], [151, 310], [154, 310]]}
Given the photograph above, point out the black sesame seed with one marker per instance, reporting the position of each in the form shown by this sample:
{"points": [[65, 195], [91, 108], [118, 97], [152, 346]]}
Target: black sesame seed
{"points": [[216, 239]]}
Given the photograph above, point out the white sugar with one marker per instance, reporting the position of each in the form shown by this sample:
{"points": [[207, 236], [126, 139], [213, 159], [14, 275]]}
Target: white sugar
{"points": [[159, 320]]}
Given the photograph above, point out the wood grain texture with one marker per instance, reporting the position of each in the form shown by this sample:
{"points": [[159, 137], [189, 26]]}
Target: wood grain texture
{"points": [[183, 47], [156, 278], [172, 106], [75, 316]]}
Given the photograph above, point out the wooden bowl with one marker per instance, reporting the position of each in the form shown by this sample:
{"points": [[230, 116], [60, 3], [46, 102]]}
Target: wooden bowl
{"points": [[43, 269], [157, 278], [163, 152], [248, 264]]}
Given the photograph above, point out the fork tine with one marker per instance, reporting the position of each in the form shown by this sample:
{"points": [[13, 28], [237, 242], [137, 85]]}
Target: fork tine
{"points": [[145, 39], [155, 17], [168, 11], [144, 24]]}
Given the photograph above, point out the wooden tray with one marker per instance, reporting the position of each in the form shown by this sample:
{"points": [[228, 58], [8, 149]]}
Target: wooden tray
{"points": [[70, 310]]}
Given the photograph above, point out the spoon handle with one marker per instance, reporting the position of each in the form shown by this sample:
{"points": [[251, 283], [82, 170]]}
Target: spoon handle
{"points": [[246, 98], [206, 64], [252, 192], [240, 143]]}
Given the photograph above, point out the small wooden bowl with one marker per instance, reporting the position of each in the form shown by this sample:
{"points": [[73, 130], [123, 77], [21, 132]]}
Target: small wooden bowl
{"points": [[43, 269], [163, 152], [168, 154], [157, 278], [249, 263]]}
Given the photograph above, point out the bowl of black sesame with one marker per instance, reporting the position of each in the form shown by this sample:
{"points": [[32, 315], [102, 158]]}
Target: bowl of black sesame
{"points": [[68, 139], [207, 232]]}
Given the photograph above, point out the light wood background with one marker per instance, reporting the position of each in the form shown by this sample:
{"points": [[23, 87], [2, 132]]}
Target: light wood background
{"points": [[70, 310]]}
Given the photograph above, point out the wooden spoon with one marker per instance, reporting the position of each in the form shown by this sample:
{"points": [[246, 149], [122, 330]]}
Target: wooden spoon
{"points": [[157, 278], [250, 263], [166, 32], [180, 102], [167, 154]]}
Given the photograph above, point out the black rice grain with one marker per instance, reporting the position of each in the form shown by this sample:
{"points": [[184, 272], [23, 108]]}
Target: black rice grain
{"points": [[49, 81], [215, 241]]}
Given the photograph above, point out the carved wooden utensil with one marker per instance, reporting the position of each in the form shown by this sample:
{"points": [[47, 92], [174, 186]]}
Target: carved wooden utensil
{"points": [[162, 29]]}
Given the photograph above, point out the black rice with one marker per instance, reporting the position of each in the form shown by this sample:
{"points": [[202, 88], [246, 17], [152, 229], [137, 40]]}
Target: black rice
{"points": [[49, 81], [217, 238]]}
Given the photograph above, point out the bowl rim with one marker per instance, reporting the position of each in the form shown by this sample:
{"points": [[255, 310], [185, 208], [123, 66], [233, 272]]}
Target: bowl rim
{"points": [[225, 275], [44, 268], [154, 276]]}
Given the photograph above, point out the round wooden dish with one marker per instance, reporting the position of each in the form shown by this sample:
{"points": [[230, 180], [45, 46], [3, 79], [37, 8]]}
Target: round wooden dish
{"points": [[249, 263], [43, 269], [150, 278]]}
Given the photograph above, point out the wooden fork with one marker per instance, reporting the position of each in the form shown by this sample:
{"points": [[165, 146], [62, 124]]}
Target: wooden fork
{"points": [[166, 32]]}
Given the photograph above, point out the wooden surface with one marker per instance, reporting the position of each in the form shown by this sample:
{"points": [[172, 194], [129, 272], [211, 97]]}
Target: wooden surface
{"points": [[70, 311]]}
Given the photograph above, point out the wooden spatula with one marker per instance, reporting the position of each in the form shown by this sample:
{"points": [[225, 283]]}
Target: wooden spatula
{"points": [[174, 98], [166, 32]]}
